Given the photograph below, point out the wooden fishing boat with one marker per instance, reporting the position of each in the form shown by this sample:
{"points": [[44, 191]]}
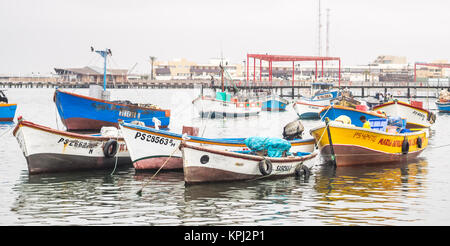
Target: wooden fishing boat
{"points": [[48, 150], [351, 145], [321, 96], [201, 164], [274, 103], [416, 116], [334, 111], [443, 106], [7, 110], [226, 105], [209, 107], [79, 112], [443, 102], [151, 148]]}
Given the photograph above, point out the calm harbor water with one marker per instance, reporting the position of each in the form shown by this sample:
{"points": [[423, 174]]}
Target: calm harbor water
{"points": [[412, 193]]}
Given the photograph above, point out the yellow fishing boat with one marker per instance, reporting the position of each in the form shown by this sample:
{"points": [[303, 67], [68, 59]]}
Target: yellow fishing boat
{"points": [[346, 144]]}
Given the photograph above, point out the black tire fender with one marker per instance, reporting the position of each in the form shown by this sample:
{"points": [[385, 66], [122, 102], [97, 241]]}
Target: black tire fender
{"points": [[265, 167], [302, 170], [405, 146], [419, 142], [110, 149]]}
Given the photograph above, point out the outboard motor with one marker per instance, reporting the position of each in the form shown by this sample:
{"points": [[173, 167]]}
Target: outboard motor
{"points": [[3, 98], [293, 130]]}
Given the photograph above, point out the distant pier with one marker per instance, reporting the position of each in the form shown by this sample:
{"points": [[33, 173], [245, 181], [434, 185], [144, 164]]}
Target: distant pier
{"points": [[282, 88], [153, 84]]}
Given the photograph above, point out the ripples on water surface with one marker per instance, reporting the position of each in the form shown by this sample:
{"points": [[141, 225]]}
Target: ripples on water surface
{"points": [[413, 193]]}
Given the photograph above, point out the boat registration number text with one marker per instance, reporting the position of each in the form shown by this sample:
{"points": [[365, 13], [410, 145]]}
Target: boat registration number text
{"points": [[283, 168], [154, 139]]}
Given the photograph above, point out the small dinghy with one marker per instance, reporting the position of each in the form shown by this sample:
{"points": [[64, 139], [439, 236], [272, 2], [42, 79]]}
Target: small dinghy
{"points": [[266, 157]]}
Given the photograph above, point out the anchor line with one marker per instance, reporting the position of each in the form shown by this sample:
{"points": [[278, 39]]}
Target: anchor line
{"points": [[436, 147]]}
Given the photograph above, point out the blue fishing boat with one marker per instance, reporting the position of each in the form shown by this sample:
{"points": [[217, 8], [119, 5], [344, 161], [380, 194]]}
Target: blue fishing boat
{"points": [[79, 112], [334, 111], [321, 96], [7, 110], [443, 106], [274, 103]]}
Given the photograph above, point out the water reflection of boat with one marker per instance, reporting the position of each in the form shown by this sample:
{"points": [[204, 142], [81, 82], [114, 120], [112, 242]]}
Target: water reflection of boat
{"points": [[165, 176], [249, 190], [362, 182]]}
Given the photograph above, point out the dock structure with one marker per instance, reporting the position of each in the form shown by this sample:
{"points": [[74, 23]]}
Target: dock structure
{"points": [[138, 84], [362, 90], [286, 88]]}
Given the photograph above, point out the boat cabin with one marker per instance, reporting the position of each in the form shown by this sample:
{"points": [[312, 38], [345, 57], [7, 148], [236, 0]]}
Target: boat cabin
{"points": [[318, 88]]}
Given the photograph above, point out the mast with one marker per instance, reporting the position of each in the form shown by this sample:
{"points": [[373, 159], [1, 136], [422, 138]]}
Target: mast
{"points": [[104, 54]]}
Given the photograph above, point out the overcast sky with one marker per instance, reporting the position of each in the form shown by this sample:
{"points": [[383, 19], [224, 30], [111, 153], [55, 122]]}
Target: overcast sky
{"points": [[38, 35]]}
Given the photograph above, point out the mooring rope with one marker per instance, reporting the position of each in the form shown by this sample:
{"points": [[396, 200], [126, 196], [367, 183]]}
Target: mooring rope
{"points": [[139, 192]]}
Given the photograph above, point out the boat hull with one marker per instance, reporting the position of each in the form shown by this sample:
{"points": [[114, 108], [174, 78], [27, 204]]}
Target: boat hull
{"points": [[333, 112], [274, 104], [79, 112], [48, 150], [7, 112], [415, 117], [210, 165], [308, 110], [150, 148], [443, 107], [213, 108], [356, 146]]}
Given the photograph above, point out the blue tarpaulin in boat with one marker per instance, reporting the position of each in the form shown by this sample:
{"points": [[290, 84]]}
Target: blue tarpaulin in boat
{"points": [[274, 146]]}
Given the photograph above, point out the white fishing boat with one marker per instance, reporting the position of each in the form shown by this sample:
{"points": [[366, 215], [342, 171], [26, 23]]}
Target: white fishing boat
{"points": [[321, 96], [415, 115], [227, 107], [153, 149], [49, 150], [201, 164]]}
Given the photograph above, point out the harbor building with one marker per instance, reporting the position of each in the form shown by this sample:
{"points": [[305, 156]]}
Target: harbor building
{"points": [[91, 74]]}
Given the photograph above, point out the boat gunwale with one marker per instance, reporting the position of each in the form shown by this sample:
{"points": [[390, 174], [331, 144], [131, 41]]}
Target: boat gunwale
{"points": [[108, 102], [249, 157], [353, 127], [401, 103], [228, 102], [308, 104], [220, 141], [352, 109], [23, 123]]}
